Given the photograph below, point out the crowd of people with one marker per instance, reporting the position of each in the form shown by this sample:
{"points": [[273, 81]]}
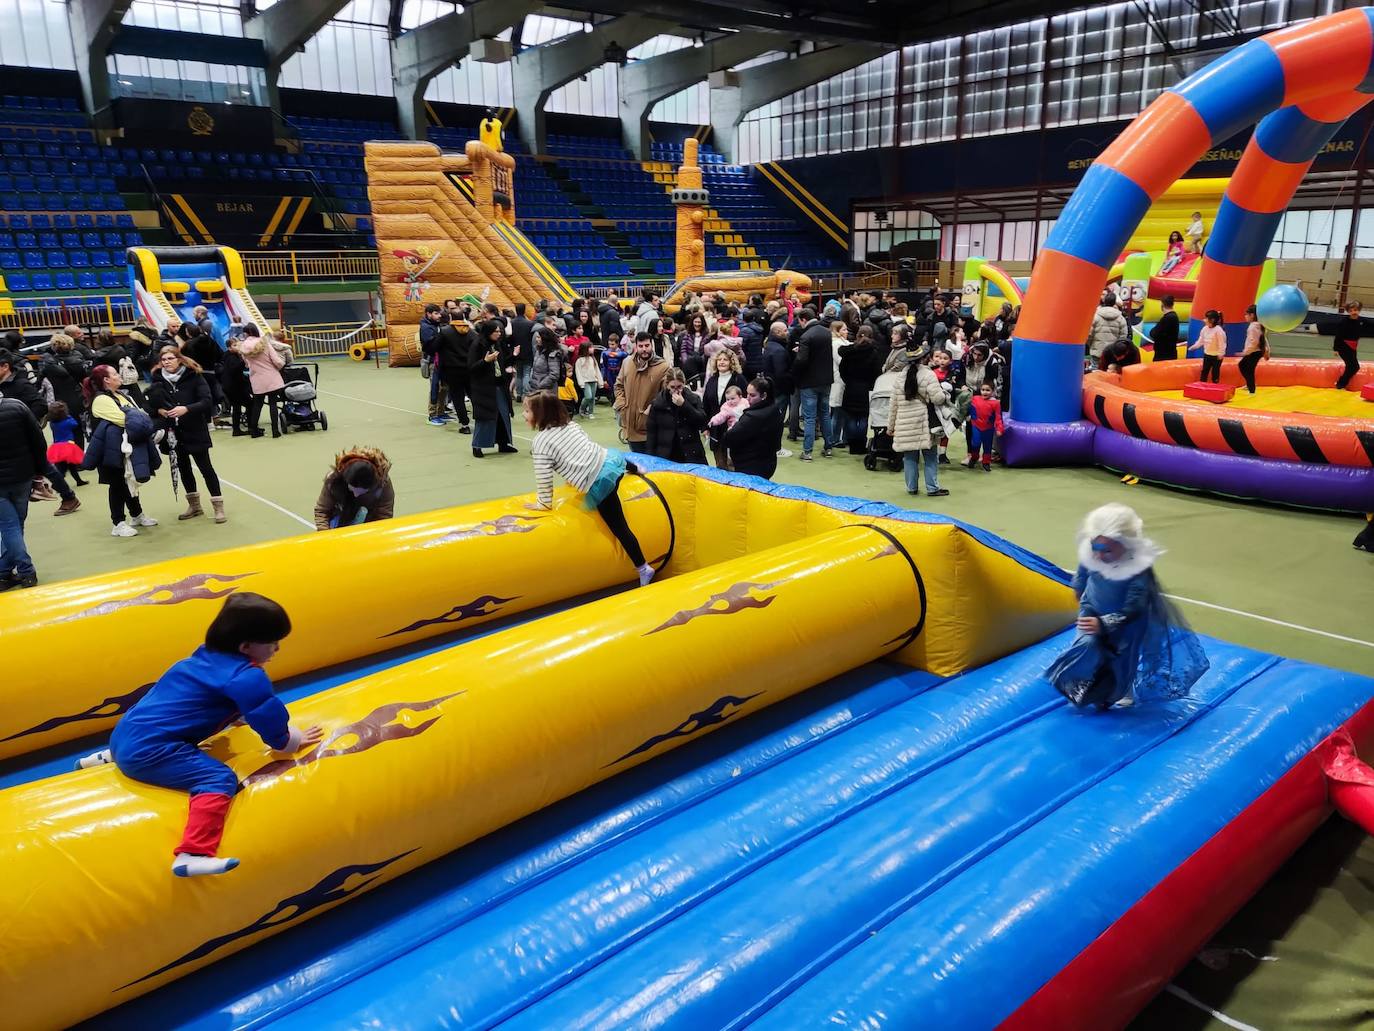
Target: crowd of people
{"points": [[126, 409], [736, 381]]}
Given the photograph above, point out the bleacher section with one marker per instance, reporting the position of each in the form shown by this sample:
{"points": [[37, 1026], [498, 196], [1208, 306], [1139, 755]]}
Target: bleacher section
{"points": [[64, 225], [592, 209]]}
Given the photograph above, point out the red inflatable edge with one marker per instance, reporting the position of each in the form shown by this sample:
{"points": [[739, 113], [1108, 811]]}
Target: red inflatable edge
{"points": [[1112, 980]]}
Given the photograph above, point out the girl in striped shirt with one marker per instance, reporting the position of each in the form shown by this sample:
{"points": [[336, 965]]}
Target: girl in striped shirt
{"points": [[561, 446]]}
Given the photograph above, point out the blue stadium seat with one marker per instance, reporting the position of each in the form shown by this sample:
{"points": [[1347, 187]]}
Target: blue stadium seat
{"points": [[41, 281], [57, 259], [105, 221], [17, 282], [19, 222], [89, 240], [65, 281], [88, 281], [111, 280], [48, 241], [101, 259], [40, 222], [79, 259], [34, 260], [85, 222], [11, 260]]}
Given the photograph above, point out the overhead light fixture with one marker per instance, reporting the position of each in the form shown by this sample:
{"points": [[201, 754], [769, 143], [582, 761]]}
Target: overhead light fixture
{"points": [[587, 26]]}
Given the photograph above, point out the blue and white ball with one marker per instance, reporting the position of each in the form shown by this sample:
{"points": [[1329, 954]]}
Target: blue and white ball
{"points": [[1282, 308]]}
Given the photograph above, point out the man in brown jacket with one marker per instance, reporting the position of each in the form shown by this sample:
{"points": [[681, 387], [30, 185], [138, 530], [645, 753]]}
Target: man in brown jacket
{"points": [[640, 380]]}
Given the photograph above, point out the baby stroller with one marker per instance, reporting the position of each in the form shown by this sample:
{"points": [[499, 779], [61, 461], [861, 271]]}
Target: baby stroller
{"points": [[879, 407], [298, 398]]}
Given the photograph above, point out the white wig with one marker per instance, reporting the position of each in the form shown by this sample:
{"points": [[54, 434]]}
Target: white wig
{"points": [[1119, 523]]}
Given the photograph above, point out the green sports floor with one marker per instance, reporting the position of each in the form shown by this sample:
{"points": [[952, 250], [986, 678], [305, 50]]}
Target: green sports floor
{"points": [[1301, 955]]}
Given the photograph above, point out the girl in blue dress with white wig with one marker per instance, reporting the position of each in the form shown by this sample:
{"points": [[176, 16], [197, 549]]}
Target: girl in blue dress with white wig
{"points": [[1132, 645]]}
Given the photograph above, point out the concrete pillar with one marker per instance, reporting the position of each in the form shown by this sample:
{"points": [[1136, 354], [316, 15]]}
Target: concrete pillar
{"points": [[644, 83], [766, 83], [422, 53], [284, 29], [538, 71], [94, 24]]}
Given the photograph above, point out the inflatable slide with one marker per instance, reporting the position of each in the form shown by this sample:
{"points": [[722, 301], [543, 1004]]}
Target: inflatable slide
{"points": [[812, 774], [445, 227], [169, 282]]}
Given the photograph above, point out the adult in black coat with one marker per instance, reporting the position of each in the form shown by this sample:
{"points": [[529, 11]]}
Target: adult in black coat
{"points": [[490, 367], [15, 385], [753, 442], [609, 314], [725, 372], [1164, 334], [752, 342], [675, 423], [860, 364], [180, 401], [64, 370], [456, 341], [23, 455], [522, 349]]}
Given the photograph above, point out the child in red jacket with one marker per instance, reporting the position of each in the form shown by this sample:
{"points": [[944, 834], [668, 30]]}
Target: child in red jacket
{"points": [[985, 413]]}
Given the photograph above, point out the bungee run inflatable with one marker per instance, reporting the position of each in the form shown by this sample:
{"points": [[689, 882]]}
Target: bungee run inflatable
{"points": [[1297, 86], [811, 775]]}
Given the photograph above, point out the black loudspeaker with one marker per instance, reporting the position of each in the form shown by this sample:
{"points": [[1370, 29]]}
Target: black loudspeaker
{"points": [[906, 274]]}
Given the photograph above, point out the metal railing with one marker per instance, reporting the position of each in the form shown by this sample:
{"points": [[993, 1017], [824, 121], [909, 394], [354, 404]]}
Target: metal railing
{"points": [[311, 266], [52, 313]]}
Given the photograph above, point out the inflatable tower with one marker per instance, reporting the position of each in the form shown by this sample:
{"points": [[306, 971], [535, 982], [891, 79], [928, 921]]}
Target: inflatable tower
{"points": [[445, 227], [690, 198]]}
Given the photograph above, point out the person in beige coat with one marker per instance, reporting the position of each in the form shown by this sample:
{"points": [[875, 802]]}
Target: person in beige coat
{"points": [[640, 380], [1109, 326], [909, 422]]}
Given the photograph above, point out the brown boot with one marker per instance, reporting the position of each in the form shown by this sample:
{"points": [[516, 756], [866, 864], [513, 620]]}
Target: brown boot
{"points": [[193, 508], [218, 505], [68, 506]]}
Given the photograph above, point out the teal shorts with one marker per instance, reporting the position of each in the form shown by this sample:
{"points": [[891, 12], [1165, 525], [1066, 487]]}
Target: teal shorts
{"points": [[611, 472]]}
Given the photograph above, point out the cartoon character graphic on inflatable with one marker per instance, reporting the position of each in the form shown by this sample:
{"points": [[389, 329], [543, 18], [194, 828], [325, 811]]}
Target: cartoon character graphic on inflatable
{"points": [[417, 262]]}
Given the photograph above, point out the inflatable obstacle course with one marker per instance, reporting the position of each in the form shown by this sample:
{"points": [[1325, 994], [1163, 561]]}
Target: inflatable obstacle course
{"points": [[933, 787]]}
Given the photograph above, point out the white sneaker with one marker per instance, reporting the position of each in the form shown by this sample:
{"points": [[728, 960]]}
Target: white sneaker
{"points": [[144, 520], [100, 758], [784, 453], [187, 865], [646, 573], [123, 530]]}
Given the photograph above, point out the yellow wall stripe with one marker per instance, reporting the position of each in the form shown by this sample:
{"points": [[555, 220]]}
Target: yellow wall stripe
{"points": [[839, 223], [271, 229], [301, 209], [193, 218], [433, 115], [177, 226], [763, 171]]}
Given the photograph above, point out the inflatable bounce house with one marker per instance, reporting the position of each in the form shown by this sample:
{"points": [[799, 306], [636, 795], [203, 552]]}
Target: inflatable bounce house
{"points": [[1145, 270], [875, 810], [445, 227], [171, 282], [1296, 86]]}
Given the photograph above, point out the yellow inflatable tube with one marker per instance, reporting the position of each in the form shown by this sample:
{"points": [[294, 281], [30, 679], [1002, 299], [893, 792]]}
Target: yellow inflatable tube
{"points": [[420, 759], [350, 593]]}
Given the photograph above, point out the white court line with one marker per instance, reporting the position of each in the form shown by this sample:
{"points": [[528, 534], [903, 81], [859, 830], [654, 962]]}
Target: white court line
{"points": [[1276, 622], [1175, 990], [1175, 597], [270, 504], [397, 408]]}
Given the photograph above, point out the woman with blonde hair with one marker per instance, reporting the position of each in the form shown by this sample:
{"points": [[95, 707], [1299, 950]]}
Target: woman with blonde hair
{"points": [[724, 372]]}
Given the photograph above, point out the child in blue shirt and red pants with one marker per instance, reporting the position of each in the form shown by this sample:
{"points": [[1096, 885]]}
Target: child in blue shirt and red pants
{"points": [[158, 740], [985, 416]]}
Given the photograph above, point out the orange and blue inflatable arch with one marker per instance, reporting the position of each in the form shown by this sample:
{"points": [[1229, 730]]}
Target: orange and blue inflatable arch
{"points": [[1298, 85]]}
